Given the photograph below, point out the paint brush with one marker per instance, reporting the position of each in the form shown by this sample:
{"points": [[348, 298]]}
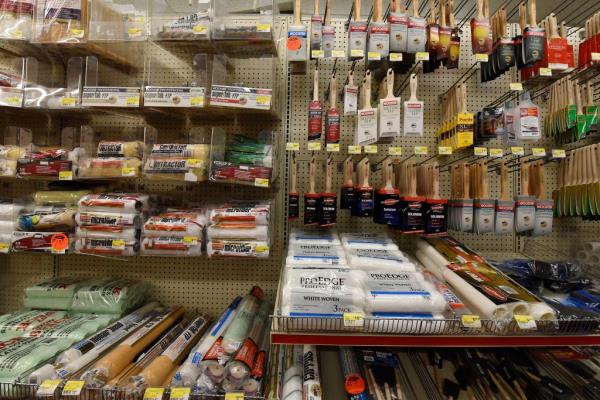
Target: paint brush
{"points": [[389, 109], [533, 37], [328, 199], [454, 52], [558, 50], [366, 124], [332, 117], [350, 96], [357, 34], [398, 20], [543, 207], [591, 109], [505, 207], [433, 40], [465, 217], [387, 198], [297, 36], [311, 198], [505, 54], [484, 207], [316, 28], [445, 34], [436, 208], [293, 195], [379, 32], [413, 111], [518, 39], [411, 205], [524, 204], [480, 27], [417, 31], [363, 193], [328, 33], [315, 111], [347, 191]]}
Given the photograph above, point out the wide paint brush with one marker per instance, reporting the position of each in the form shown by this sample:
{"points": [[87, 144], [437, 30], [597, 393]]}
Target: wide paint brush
{"points": [[558, 47], [505, 207], [350, 96], [347, 191], [484, 207], [366, 118], [398, 21], [436, 208], [445, 34], [543, 207], [297, 49], [411, 205], [533, 38], [454, 53], [417, 31], [387, 198], [524, 204], [357, 34], [379, 32], [480, 28], [363, 192], [413, 111], [389, 109]]}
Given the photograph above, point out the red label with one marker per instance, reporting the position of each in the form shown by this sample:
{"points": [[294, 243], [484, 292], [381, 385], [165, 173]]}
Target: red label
{"points": [[215, 350], [315, 119], [246, 353], [529, 112], [332, 126], [258, 369]]}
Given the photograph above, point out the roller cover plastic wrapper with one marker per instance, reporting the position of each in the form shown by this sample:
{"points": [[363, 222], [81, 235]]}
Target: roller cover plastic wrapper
{"points": [[191, 369], [59, 197], [55, 294], [114, 202], [393, 292], [176, 169], [133, 149], [257, 214], [109, 366], [378, 259], [109, 168], [178, 224], [367, 241], [107, 219], [237, 248], [74, 327], [33, 241], [194, 151], [12, 153], [110, 296], [48, 219], [260, 233], [21, 322], [158, 370], [498, 298], [315, 237], [22, 354], [8, 226], [8, 168], [240, 326], [113, 246], [129, 235], [325, 255], [320, 293], [171, 246]]}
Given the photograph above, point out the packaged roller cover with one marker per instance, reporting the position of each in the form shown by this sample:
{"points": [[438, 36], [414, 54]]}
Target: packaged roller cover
{"points": [[177, 223], [109, 167], [315, 237], [76, 327], [325, 255], [172, 246], [21, 322], [34, 241], [109, 296], [185, 151], [54, 294], [257, 214], [108, 219], [376, 258], [133, 149], [114, 202], [240, 231], [182, 162], [368, 241], [237, 248], [102, 246], [51, 218]]}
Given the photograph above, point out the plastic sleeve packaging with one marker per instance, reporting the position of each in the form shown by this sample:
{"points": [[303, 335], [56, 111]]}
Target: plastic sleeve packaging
{"points": [[40, 168], [370, 259], [176, 169], [25, 321], [316, 254], [60, 21], [172, 245], [8, 226], [188, 373], [311, 380], [367, 241], [59, 197], [240, 326], [15, 23], [53, 294], [129, 235], [32, 241], [42, 303], [157, 371], [399, 292], [257, 214], [259, 233], [8, 167], [237, 248], [106, 247], [53, 219], [110, 167], [321, 293], [109, 366], [121, 220], [185, 151], [12, 153], [314, 237], [177, 224], [133, 149], [74, 327], [258, 160], [456, 305], [213, 372], [114, 202], [109, 296], [253, 384]]}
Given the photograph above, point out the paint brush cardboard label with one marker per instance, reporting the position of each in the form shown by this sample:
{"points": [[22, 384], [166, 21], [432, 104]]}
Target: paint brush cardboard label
{"points": [[505, 216], [465, 215], [350, 100], [315, 120], [524, 214], [293, 205], [411, 216], [316, 32], [413, 118], [328, 40], [363, 202], [357, 40], [379, 39], [311, 209], [332, 126], [328, 209], [480, 29], [389, 117], [296, 43], [484, 211], [530, 123], [533, 45], [347, 197], [436, 217], [543, 217], [386, 208], [417, 35], [366, 127], [443, 50], [398, 32]]}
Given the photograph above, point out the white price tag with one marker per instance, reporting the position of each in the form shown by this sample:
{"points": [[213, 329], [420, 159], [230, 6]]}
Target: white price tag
{"points": [[292, 146], [333, 147]]}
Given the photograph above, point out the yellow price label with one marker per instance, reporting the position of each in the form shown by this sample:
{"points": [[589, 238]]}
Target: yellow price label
{"points": [[525, 321], [338, 54], [317, 54], [559, 153], [292, 146], [154, 393], [200, 29], [497, 153], [471, 321], [263, 28], [516, 86], [17, 34], [234, 396], [77, 33], [4, 247], [118, 244], [73, 388], [371, 149], [395, 151], [180, 393], [128, 171], [517, 151], [68, 101], [261, 182], [14, 100], [354, 149], [262, 249], [197, 101], [480, 151], [374, 56], [444, 150], [333, 147], [65, 175], [482, 57], [263, 100], [595, 56], [422, 56], [133, 101], [545, 72], [194, 162], [314, 146], [538, 152], [395, 57], [357, 53], [354, 319], [190, 240], [48, 387], [421, 150], [134, 32]]}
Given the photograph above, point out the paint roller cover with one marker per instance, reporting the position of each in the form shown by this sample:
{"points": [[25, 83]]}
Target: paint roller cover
{"points": [[112, 167], [55, 197], [110, 296], [21, 354], [12, 153], [238, 330], [120, 149], [197, 151]]}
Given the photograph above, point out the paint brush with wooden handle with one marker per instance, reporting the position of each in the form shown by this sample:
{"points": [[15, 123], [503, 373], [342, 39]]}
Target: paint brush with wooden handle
{"points": [[328, 200], [347, 195], [293, 195], [350, 96], [436, 208], [533, 37], [484, 207], [480, 27], [379, 32], [311, 198], [454, 52], [387, 198], [315, 111], [465, 216], [505, 207], [316, 28], [357, 34], [417, 31], [398, 21], [389, 109], [328, 31], [297, 49], [543, 207], [524, 204], [411, 205], [366, 124], [363, 193], [332, 117], [445, 34]]}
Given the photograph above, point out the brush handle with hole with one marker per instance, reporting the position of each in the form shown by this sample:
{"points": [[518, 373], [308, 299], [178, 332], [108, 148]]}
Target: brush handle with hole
{"points": [[298, 12], [532, 10], [311, 177], [522, 16], [367, 90], [377, 10], [327, 18], [390, 84]]}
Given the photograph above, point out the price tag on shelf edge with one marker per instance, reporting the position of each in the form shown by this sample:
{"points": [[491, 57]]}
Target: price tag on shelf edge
{"points": [[234, 396], [444, 150], [314, 146], [395, 57], [395, 151], [317, 54], [154, 393], [538, 152], [338, 54], [73, 388], [180, 393], [292, 146], [471, 321], [354, 149], [357, 53], [354, 319], [374, 56], [480, 151], [545, 72], [481, 57], [516, 86], [517, 151], [65, 175], [559, 153], [4, 248], [496, 153], [422, 56], [525, 322], [47, 388], [421, 150], [371, 149], [263, 28], [261, 182], [333, 147]]}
